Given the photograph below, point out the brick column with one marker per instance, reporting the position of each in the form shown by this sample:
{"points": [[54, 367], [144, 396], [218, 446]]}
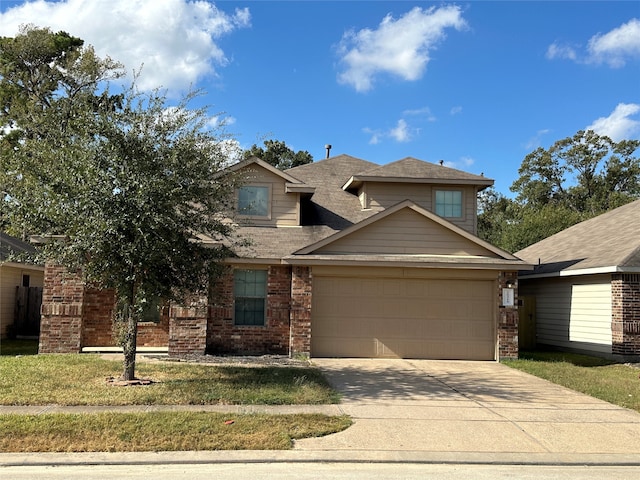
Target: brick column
{"points": [[188, 327], [61, 312], [625, 315], [300, 333], [508, 318]]}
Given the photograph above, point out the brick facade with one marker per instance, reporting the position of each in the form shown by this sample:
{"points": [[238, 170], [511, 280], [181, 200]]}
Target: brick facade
{"points": [[625, 314], [75, 315], [224, 336], [508, 318]]}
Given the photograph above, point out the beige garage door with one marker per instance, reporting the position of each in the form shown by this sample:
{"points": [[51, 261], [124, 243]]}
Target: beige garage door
{"points": [[403, 318]]}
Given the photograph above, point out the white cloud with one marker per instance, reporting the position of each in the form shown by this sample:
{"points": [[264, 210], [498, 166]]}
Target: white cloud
{"points": [[536, 141], [557, 50], [400, 133], [399, 47], [461, 164], [174, 39], [619, 125], [455, 110], [614, 48], [424, 112], [617, 46]]}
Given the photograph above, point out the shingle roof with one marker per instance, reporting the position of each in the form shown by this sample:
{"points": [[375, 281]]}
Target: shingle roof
{"points": [[610, 240], [412, 168], [12, 246]]}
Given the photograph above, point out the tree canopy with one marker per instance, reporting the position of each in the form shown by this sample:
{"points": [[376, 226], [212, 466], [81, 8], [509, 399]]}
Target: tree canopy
{"points": [[278, 154], [576, 178], [127, 181]]}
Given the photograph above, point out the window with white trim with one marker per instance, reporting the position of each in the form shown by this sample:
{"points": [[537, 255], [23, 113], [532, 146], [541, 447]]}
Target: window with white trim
{"points": [[449, 203], [250, 297]]}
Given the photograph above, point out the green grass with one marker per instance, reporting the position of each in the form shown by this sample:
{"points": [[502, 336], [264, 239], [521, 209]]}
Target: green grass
{"points": [[81, 380], [600, 378], [18, 347], [160, 431]]}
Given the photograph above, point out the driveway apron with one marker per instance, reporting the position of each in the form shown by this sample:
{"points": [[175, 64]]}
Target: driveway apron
{"points": [[469, 407]]}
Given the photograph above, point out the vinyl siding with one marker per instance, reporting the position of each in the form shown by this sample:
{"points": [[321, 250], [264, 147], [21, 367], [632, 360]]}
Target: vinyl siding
{"points": [[10, 278], [572, 312], [384, 195], [405, 232], [285, 207]]}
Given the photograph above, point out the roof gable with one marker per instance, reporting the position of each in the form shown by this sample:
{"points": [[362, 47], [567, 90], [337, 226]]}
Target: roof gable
{"points": [[610, 240], [405, 229], [10, 246]]}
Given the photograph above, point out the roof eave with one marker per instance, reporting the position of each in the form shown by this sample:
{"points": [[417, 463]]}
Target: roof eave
{"points": [[580, 272]]}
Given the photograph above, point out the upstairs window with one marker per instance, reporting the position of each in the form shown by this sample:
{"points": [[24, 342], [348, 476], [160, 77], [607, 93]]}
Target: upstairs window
{"points": [[254, 201], [449, 203], [250, 295]]}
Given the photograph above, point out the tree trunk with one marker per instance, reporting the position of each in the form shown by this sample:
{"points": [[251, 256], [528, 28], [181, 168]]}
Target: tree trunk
{"points": [[129, 347]]}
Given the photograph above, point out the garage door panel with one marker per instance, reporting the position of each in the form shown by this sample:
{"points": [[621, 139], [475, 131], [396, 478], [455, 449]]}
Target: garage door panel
{"points": [[408, 318]]}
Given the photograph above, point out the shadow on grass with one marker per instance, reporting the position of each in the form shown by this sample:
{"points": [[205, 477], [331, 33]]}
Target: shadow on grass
{"points": [[576, 359], [18, 347]]}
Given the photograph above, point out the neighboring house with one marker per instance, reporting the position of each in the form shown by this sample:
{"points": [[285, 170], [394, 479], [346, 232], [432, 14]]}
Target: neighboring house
{"points": [[20, 289], [586, 285], [347, 258]]}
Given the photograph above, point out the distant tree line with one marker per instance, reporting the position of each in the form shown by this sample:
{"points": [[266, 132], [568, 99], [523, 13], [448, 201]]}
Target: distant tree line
{"points": [[577, 178]]}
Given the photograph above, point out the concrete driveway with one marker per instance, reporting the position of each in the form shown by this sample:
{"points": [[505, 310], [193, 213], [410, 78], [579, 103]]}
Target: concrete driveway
{"points": [[472, 411]]}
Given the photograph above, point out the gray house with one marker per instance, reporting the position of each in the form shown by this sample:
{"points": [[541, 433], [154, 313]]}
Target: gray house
{"points": [[586, 285]]}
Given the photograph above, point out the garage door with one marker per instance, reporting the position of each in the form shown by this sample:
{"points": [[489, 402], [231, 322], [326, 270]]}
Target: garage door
{"points": [[403, 318]]}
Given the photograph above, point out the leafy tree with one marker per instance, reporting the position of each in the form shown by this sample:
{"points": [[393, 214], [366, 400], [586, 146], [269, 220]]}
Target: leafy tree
{"points": [[587, 173], [125, 180], [278, 154], [575, 179]]}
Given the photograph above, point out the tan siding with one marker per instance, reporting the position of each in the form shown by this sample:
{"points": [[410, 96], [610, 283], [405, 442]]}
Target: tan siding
{"points": [[401, 272], [285, 207], [384, 195], [405, 232], [10, 278], [554, 314], [591, 313]]}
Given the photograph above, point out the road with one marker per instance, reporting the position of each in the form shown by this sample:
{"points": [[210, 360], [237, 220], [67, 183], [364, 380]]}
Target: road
{"points": [[325, 471]]}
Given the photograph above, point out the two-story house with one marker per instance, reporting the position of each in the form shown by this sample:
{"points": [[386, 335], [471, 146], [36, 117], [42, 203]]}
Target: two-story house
{"points": [[347, 258]]}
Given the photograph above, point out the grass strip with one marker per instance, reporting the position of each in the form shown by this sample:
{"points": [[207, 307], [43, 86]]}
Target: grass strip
{"points": [[81, 380], [160, 431], [600, 378]]}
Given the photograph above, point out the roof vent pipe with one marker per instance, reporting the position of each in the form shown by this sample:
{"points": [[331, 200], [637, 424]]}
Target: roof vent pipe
{"points": [[328, 147], [441, 162]]}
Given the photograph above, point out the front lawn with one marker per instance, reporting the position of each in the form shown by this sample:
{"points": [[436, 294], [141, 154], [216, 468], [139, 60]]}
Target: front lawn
{"points": [[600, 378], [160, 431], [80, 379]]}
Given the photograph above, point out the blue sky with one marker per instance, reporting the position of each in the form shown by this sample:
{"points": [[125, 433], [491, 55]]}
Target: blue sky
{"points": [[478, 84]]}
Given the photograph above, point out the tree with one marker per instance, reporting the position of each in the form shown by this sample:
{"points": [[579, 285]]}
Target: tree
{"points": [[128, 182], [587, 173], [278, 154]]}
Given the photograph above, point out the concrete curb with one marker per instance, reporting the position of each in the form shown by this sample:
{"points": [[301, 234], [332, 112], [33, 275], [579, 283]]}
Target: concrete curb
{"points": [[311, 456]]}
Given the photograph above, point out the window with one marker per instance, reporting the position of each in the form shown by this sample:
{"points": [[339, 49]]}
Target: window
{"points": [[250, 292], [253, 201], [449, 203]]}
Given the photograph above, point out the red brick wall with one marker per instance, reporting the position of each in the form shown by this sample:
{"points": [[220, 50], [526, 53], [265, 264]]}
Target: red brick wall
{"points": [[508, 318], [272, 338], [301, 294], [625, 314], [75, 315], [61, 311]]}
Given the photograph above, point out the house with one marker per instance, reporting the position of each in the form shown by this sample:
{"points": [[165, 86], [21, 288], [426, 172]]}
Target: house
{"points": [[346, 258], [20, 289], [586, 285]]}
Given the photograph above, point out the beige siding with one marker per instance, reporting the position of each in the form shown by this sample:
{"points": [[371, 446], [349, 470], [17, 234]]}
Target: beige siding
{"points": [[285, 207], [590, 320], [383, 316], [381, 196], [10, 278], [405, 232], [572, 312]]}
